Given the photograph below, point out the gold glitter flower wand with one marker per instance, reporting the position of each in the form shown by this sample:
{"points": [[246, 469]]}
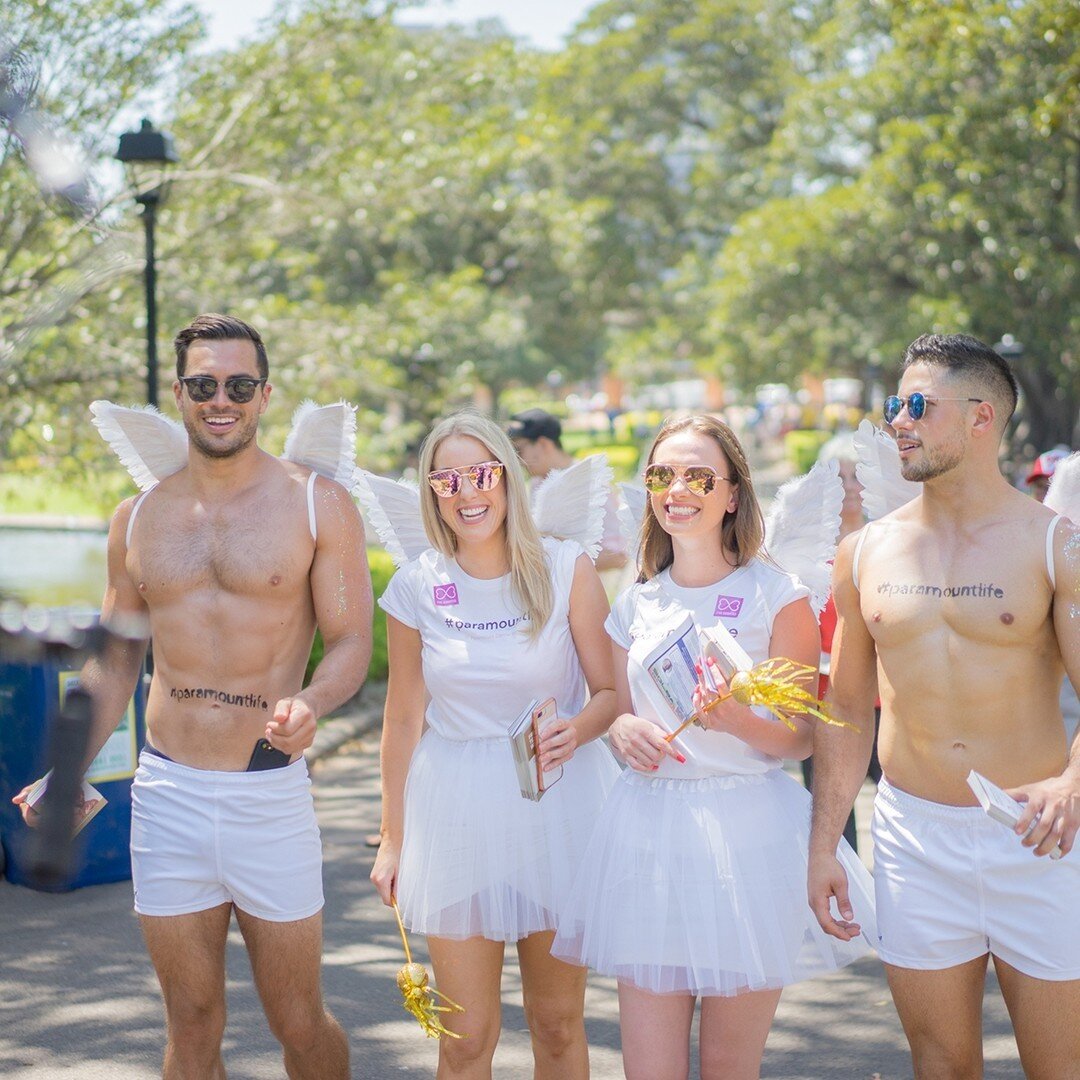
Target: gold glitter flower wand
{"points": [[418, 998], [775, 683]]}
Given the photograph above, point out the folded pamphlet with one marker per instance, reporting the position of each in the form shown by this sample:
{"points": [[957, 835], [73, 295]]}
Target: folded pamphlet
{"points": [[999, 805], [85, 811]]}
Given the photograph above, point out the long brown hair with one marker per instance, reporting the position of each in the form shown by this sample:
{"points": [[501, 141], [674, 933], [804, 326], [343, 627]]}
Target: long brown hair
{"points": [[742, 532]]}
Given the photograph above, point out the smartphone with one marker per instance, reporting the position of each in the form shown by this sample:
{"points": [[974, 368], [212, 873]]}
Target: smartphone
{"points": [[264, 756], [543, 715]]}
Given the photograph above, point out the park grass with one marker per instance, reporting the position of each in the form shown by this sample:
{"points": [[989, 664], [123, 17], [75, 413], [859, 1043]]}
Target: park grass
{"points": [[53, 494]]}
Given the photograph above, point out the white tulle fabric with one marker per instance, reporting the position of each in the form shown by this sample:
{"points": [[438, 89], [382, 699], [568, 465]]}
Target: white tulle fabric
{"points": [[477, 859], [699, 886]]}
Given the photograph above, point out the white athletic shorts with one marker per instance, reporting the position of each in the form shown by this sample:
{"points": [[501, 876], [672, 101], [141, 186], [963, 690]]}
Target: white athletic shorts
{"points": [[200, 839], [953, 884]]}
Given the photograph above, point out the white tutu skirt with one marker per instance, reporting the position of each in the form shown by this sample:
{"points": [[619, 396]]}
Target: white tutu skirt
{"points": [[477, 859], [699, 886]]}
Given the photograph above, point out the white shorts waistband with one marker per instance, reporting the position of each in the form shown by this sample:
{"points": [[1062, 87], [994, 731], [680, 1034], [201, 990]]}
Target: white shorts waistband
{"points": [[263, 779], [928, 810]]}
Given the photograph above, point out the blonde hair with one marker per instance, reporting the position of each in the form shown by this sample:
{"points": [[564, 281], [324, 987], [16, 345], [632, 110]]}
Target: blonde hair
{"points": [[530, 577], [742, 532]]}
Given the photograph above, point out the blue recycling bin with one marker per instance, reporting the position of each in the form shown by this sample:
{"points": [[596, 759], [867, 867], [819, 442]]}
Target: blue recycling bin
{"points": [[31, 695]]}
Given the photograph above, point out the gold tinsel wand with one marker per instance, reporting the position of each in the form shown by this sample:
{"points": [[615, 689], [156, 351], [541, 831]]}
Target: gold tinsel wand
{"points": [[418, 998], [775, 683]]}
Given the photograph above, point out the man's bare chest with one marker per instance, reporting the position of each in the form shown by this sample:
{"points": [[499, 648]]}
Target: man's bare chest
{"points": [[964, 592], [240, 553]]}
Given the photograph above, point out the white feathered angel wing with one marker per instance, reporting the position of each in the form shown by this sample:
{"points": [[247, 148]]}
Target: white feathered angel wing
{"points": [[803, 525], [1063, 496], [878, 470], [570, 503], [150, 446], [323, 437], [392, 509], [631, 513]]}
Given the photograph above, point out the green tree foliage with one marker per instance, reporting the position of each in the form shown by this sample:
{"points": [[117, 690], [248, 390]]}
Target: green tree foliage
{"points": [[376, 197], [417, 218], [69, 72], [953, 201], [669, 110]]}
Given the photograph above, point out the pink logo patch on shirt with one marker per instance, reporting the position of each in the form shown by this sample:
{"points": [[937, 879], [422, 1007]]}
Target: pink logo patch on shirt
{"points": [[728, 607], [446, 595]]}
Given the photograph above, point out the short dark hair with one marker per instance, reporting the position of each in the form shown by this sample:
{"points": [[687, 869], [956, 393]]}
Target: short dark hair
{"points": [[214, 327], [533, 424], [967, 357]]}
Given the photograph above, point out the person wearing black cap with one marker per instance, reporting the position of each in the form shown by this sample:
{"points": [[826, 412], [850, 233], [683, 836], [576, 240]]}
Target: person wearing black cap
{"points": [[537, 437]]}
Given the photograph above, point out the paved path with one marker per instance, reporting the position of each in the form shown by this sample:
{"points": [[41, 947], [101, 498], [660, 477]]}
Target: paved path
{"points": [[78, 998]]}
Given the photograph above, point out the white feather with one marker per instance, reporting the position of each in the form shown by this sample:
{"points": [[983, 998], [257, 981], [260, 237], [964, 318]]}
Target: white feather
{"points": [[803, 526], [1063, 495], [150, 446], [392, 508], [632, 502], [570, 503], [324, 439], [878, 470]]}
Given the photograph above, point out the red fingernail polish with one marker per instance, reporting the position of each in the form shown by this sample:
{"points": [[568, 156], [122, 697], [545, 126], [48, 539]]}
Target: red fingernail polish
{"points": [[680, 759]]}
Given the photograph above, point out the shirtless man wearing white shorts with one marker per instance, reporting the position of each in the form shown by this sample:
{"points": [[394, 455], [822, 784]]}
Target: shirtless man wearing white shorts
{"points": [[235, 560], [962, 608]]}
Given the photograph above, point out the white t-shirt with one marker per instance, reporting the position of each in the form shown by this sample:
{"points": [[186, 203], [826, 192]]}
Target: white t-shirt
{"points": [[480, 668], [745, 603]]}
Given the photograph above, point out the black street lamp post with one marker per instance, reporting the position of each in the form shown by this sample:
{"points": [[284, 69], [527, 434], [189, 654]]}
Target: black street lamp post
{"points": [[147, 155]]}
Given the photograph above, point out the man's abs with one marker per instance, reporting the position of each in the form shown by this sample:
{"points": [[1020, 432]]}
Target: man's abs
{"points": [[968, 668]]}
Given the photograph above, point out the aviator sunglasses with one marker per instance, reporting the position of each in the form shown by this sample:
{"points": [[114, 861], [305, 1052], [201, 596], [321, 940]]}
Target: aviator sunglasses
{"points": [[446, 483], [916, 405], [698, 479], [240, 388]]}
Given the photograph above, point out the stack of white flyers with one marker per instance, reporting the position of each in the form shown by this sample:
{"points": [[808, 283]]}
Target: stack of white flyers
{"points": [[999, 805], [672, 665], [90, 802], [729, 656]]}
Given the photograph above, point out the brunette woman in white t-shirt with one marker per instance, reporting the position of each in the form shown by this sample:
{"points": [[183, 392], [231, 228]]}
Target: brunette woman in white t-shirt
{"points": [[492, 617], [693, 882]]}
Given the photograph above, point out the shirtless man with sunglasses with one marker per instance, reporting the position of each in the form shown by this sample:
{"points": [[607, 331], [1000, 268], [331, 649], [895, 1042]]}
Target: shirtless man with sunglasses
{"points": [[234, 560], [963, 609]]}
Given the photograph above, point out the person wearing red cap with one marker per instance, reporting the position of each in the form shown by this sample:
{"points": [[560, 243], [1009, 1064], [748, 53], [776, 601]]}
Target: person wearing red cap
{"points": [[1043, 468]]}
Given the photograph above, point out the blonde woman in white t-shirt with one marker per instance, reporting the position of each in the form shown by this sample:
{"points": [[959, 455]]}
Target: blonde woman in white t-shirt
{"points": [[693, 882], [491, 617]]}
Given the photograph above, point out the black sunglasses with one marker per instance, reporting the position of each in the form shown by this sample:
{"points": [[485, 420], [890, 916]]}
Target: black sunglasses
{"points": [[916, 405], [240, 388]]}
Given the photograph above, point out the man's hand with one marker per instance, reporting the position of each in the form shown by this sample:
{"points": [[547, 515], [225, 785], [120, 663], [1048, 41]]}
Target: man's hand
{"points": [[29, 814], [293, 726], [827, 879], [1051, 815]]}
